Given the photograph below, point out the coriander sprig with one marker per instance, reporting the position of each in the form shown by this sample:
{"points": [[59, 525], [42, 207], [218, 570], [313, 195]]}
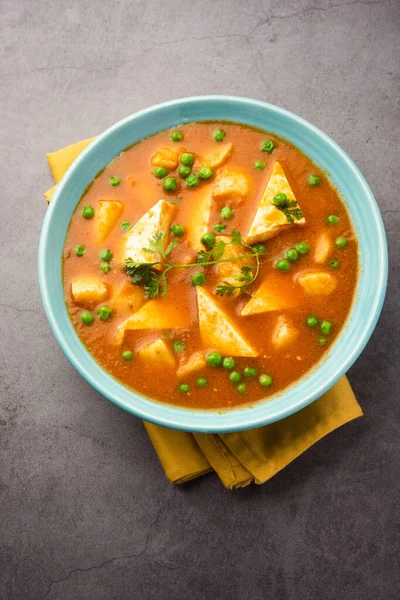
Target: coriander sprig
{"points": [[156, 284], [292, 211]]}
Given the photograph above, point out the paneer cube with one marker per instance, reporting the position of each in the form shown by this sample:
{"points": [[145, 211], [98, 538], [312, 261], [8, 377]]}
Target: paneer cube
{"points": [[107, 215], [317, 284], [216, 157], [285, 333], [231, 183], [155, 314], [217, 329], [166, 157], [270, 220], [195, 363], [157, 220], [227, 271], [199, 218], [323, 248], [129, 298], [90, 292], [269, 297], [158, 354]]}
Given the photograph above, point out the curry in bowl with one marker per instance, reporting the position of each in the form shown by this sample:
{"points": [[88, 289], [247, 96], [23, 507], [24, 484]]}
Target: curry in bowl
{"points": [[210, 266]]}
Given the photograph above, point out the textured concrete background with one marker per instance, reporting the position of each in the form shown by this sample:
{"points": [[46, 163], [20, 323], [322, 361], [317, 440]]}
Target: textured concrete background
{"points": [[86, 513]]}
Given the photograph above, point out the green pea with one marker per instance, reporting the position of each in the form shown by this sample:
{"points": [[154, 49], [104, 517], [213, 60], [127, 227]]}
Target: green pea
{"points": [[259, 248], [326, 327], [105, 267], [250, 372], [126, 225], [235, 377], [160, 172], [219, 228], [334, 263], [178, 230], [178, 346], [228, 362], [184, 388], [198, 279], [205, 173], [259, 165], [268, 146], [283, 265], [241, 388], [321, 341], [219, 135], [208, 239], [184, 171], [104, 313], [192, 180], [341, 242], [214, 359], [201, 382], [302, 248], [313, 180], [176, 136], [265, 380], [105, 255], [332, 220], [279, 199], [187, 159], [312, 321], [87, 318], [80, 250], [170, 184], [127, 355], [114, 181], [292, 254], [226, 213], [88, 212]]}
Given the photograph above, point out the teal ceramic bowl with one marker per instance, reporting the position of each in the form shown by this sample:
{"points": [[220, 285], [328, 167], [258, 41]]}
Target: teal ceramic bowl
{"points": [[325, 153]]}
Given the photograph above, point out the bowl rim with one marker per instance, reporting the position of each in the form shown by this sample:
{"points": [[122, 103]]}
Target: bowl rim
{"points": [[179, 417]]}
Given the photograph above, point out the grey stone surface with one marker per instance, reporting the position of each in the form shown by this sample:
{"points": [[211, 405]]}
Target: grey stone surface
{"points": [[86, 512]]}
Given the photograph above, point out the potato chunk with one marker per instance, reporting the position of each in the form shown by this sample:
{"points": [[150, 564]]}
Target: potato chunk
{"points": [[166, 157], [229, 270], [269, 220], [269, 297], [323, 248], [317, 284], [285, 332], [157, 220], [129, 298], [231, 183], [199, 218], [158, 354], [107, 215], [216, 157], [89, 292], [218, 331], [196, 362]]}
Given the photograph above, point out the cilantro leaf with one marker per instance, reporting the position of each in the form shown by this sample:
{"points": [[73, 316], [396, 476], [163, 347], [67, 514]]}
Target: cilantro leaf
{"points": [[236, 237], [171, 246], [126, 225], [291, 214], [218, 250]]}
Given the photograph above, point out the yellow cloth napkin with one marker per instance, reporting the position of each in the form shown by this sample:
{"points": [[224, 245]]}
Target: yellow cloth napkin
{"points": [[247, 456]]}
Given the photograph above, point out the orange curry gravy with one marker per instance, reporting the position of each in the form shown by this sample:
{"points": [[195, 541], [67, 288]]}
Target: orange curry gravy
{"points": [[139, 190]]}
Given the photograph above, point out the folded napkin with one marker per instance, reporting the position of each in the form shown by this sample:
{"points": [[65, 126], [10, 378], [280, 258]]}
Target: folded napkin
{"points": [[246, 456]]}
